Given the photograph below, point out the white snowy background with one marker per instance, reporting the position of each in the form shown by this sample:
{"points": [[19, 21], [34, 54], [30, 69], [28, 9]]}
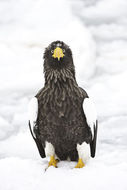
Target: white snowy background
{"points": [[96, 31]]}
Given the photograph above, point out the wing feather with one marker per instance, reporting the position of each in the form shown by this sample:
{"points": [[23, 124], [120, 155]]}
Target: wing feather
{"points": [[90, 113], [91, 119], [33, 114]]}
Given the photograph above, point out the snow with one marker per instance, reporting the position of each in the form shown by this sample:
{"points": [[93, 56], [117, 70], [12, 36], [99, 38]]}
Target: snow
{"points": [[96, 31]]}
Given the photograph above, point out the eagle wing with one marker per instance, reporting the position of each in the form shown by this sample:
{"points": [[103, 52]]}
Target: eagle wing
{"points": [[91, 119], [33, 115]]}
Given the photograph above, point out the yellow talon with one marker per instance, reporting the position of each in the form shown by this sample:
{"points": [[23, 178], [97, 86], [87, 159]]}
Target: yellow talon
{"points": [[52, 162], [80, 164]]}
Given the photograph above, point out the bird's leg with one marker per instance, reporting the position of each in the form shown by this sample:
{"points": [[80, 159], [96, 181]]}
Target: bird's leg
{"points": [[50, 152], [80, 163], [52, 162], [83, 153]]}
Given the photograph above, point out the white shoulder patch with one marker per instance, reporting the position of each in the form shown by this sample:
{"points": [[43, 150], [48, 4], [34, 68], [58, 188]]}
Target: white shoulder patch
{"points": [[90, 113], [33, 112]]}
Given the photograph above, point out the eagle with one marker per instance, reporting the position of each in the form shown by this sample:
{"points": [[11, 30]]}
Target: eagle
{"points": [[62, 117]]}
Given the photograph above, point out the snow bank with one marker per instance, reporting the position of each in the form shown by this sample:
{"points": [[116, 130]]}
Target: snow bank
{"points": [[29, 175]]}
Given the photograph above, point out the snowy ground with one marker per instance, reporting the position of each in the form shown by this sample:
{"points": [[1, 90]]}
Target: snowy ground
{"points": [[93, 29]]}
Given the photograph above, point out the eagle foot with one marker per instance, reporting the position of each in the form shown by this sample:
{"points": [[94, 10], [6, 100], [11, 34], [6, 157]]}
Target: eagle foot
{"points": [[52, 162], [80, 164]]}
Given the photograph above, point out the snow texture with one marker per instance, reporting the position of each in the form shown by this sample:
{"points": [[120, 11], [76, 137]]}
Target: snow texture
{"points": [[96, 31], [90, 113]]}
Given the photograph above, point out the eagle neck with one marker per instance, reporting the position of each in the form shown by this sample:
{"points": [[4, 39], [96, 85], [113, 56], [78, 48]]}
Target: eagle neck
{"points": [[59, 77], [62, 82]]}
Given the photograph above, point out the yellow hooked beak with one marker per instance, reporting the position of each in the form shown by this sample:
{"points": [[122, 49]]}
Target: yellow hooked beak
{"points": [[58, 53]]}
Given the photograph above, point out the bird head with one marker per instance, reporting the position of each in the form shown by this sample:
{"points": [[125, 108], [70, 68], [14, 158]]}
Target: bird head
{"points": [[58, 55]]}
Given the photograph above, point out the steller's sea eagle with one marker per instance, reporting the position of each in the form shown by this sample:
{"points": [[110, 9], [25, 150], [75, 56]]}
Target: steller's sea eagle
{"points": [[62, 118]]}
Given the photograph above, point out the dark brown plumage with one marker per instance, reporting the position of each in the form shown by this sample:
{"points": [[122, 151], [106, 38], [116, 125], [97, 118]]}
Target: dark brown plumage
{"points": [[61, 119]]}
